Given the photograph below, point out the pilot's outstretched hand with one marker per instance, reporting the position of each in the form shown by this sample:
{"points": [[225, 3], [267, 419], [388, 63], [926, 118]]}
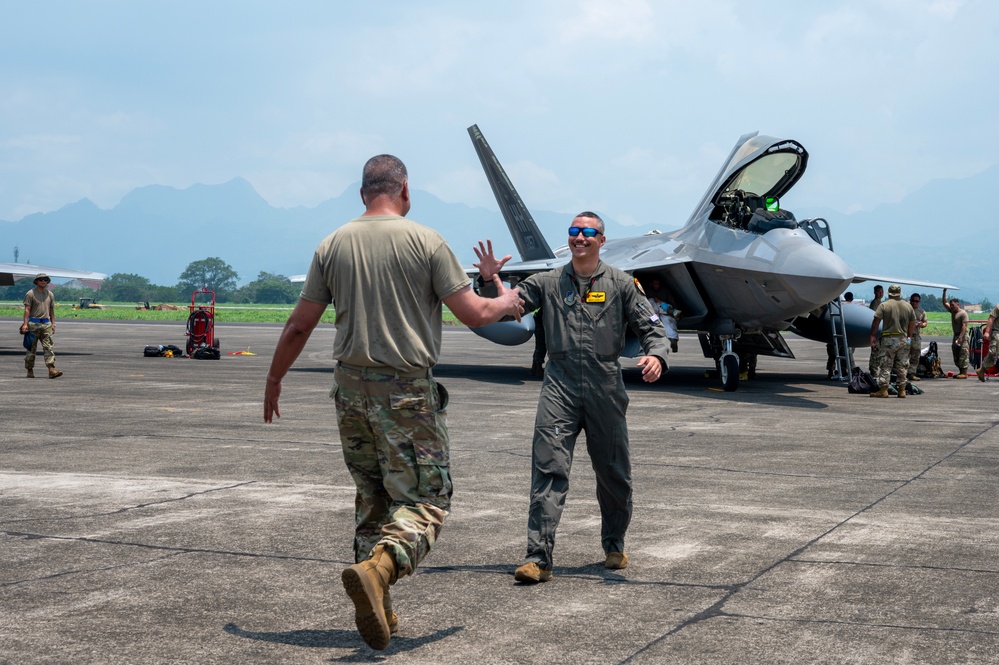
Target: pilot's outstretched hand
{"points": [[488, 264]]}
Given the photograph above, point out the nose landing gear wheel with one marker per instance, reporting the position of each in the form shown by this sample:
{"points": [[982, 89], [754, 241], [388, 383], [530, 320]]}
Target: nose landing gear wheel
{"points": [[730, 372]]}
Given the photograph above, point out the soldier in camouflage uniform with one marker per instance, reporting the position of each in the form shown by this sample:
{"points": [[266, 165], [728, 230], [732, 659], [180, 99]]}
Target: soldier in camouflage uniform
{"points": [[992, 337], [874, 364], [388, 277], [39, 321], [916, 345], [959, 325], [893, 346], [588, 307]]}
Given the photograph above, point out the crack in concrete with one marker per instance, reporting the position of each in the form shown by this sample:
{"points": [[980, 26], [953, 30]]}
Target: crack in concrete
{"points": [[129, 508], [863, 624], [176, 550], [717, 609]]}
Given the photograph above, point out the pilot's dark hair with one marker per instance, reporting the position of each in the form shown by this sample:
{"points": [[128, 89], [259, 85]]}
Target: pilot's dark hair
{"points": [[955, 301], [916, 295], [593, 216], [383, 174], [878, 286], [848, 296]]}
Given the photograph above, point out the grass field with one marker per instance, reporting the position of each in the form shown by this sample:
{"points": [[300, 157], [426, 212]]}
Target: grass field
{"points": [[223, 313], [939, 322]]}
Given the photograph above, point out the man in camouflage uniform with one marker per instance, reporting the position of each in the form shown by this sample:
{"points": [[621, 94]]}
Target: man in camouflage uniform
{"points": [[916, 345], [39, 321], [991, 336], [959, 325], [897, 322], [588, 306], [874, 364], [387, 276]]}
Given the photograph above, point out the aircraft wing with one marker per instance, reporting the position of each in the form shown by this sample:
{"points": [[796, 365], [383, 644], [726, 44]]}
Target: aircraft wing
{"points": [[857, 278], [11, 272]]}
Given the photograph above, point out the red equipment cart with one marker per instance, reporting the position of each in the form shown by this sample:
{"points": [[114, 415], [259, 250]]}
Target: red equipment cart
{"points": [[201, 340]]}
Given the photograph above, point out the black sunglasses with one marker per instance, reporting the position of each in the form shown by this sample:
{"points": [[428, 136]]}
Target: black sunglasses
{"points": [[587, 233]]}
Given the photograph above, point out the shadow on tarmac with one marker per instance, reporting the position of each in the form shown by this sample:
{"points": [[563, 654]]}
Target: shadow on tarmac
{"points": [[327, 639]]}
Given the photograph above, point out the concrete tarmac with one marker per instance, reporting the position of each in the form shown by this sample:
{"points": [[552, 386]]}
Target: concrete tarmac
{"points": [[147, 515]]}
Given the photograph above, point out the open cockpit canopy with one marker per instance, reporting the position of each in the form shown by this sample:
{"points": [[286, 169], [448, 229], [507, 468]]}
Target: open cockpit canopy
{"points": [[761, 171]]}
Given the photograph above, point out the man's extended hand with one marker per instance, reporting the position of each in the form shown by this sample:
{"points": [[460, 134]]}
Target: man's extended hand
{"points": [[510, 298], [652, 368], [272, 392], [488, 264]]}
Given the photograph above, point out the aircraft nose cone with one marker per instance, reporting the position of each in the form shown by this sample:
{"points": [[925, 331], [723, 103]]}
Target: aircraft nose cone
{"points": [[816, 274]]}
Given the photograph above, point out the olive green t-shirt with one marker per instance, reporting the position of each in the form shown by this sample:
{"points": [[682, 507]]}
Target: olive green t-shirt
{"points": [[957, 321], [38, 305], [386, 276], [995, 317], [895, 316]]}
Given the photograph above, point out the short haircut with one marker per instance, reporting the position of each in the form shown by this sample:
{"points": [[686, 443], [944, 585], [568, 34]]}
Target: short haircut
{"points": [[916, 295], [848, 296], [955, 301], [878, 286], [594, 216], [383, 174]]}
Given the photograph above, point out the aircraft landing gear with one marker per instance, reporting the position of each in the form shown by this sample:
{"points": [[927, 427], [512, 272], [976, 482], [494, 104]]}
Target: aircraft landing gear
{"points": [[730, 372], [728, 367]]}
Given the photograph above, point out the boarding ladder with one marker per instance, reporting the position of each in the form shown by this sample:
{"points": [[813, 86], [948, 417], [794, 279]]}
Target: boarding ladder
{"points": [[838, 325]]}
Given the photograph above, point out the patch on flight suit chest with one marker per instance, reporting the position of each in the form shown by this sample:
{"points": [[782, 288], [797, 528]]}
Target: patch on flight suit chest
{"points": [[596, 296]]}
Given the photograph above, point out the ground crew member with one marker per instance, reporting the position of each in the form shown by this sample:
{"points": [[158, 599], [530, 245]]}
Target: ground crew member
{"points": [[959, 326], [992, 337], [874, 363], [916, 345], [388, 277], [588, 306], [39, 321], [897, 322]]}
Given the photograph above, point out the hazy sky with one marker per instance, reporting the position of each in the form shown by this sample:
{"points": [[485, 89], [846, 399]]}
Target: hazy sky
{"points": [[622, 106]]}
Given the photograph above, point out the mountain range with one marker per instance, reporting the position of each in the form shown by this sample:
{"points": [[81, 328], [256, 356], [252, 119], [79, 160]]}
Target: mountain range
{"points": [[940, 232]]}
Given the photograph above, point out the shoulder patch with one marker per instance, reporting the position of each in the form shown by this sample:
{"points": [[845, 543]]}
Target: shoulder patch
{"points": [[638, 285]]}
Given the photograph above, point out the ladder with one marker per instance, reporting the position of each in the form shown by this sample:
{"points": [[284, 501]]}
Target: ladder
{"points": [[842, 344]]}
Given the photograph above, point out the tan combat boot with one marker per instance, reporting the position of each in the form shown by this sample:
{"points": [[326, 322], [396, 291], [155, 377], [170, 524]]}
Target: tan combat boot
{"points": [[366, 584], [31, 373], [883, 392], [901, 391], [981, 373], [963, 374], [616, 560], [532, 573], [54, 373]]}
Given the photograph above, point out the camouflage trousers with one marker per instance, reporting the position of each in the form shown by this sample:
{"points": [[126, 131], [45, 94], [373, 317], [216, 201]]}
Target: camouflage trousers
{"points": [[393, 431], [894, 354], [961, 354], [990, 360], [43, 337], [874, 364]]}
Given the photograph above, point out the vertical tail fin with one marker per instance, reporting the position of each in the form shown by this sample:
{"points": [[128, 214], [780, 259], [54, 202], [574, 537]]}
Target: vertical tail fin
{"points": [[530, 243]]}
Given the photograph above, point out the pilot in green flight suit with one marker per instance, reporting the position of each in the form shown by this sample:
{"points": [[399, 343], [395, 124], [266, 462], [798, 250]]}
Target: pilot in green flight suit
{"points": [[587, 307]]}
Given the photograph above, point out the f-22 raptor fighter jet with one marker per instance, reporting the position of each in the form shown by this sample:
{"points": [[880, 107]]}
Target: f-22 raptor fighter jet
{"points": [[740, 271]]}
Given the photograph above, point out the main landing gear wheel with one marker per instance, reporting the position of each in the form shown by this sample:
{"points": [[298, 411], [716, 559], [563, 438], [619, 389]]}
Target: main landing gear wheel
{"points": [[730, 372]]}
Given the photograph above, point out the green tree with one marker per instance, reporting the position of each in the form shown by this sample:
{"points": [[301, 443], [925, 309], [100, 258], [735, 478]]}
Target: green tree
{"points": [[986, 305], [931, 303], [268, 288], [126, 287], [212, 273]]}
